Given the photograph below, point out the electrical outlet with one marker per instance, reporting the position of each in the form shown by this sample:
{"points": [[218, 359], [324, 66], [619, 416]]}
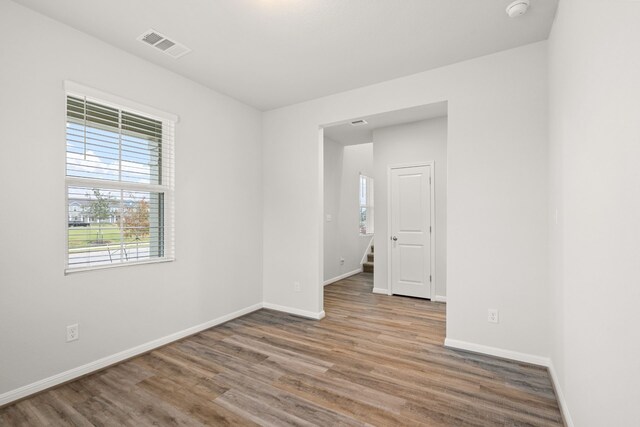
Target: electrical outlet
{"points": [[493, 316], [72, 332], [341, 261], [296, 286]]}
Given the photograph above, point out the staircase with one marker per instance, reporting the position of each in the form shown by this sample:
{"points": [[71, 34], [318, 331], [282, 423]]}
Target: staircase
{"points": [[367, 267]]}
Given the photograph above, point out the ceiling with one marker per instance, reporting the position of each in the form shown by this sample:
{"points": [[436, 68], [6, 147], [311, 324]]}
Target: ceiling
{"points": [[347, 134], [272, 53]]}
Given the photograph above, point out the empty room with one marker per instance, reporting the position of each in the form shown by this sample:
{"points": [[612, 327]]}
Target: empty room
{"points": [[320, 212]]}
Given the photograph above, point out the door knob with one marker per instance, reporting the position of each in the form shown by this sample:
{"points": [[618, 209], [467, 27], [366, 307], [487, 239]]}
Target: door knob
{"points": [[394, 238]]}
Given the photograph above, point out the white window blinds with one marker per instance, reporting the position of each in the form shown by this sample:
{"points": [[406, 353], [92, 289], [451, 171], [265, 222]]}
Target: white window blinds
{"points": [[119, 184]]}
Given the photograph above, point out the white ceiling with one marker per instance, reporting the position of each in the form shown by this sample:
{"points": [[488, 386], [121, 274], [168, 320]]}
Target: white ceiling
{"points": [[347, 134], [271, 53]]}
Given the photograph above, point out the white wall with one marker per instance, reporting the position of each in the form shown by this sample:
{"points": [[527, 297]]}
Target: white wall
{"points": [[342, 168], [595, 185], [421, 141], [333, 155], [497, 193], [218, 206]]}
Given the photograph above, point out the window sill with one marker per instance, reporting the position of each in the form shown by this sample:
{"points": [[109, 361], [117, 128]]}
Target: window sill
{"points": [[68, 271]]}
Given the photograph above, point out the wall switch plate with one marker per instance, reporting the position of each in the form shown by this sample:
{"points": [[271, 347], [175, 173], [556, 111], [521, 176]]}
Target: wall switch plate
{"points": [[493, 316], [72, 332], [297, 287], [329, 217], [341, 261]]}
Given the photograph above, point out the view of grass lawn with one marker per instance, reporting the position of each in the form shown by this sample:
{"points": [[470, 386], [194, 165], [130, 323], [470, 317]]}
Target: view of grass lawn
{"points": [[92, 236]]}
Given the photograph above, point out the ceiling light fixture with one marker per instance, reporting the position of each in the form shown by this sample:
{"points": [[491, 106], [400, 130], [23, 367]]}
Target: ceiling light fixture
{"points": [[517, 8]]}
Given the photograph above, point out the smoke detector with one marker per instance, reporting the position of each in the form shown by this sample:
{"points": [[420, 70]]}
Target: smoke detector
{"points": [[164, 44], [517, 8], [359, 122]]}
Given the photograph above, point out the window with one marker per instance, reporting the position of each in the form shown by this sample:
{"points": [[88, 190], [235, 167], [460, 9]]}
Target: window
{"points": [[366, 205], [119, 183]]}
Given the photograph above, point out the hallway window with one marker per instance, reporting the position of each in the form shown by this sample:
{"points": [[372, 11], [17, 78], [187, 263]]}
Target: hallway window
{"points": [[366, 205]]}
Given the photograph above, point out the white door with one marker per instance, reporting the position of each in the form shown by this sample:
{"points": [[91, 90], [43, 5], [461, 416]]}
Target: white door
{"points": [[410, 215]]}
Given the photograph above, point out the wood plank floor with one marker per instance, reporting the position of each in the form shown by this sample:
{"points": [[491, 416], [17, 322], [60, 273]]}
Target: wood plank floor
{"points": [[374, 360]]}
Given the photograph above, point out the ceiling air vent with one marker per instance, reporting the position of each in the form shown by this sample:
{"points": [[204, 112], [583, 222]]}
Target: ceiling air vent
{"points": [[358, 122], [164, 44]]}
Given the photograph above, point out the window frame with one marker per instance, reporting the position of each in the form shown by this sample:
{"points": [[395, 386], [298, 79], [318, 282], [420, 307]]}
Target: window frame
{"points": [[369, 205], [167, 180]]}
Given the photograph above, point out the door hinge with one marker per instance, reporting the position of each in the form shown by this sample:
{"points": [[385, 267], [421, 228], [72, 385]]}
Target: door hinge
{"points": [[429, 229], [429, 279]]}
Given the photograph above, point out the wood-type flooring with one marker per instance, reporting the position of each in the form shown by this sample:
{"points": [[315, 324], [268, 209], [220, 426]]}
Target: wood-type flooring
{"points": [[374, 360]]}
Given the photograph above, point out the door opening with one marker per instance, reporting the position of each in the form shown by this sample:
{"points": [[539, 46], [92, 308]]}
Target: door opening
{"points": [[400, 139]]}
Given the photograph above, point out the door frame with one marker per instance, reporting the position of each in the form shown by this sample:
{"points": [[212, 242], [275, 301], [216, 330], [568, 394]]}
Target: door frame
{"points": [[432, 223]]}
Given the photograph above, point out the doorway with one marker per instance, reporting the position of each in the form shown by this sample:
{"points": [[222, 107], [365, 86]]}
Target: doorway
{"points": [[413, 137]]}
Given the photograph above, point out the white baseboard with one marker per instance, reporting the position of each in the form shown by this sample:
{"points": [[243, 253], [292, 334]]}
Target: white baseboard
{"points": [[568, 421], [498, 352], [439, 298], [520, 357], [342, 276], [296, 311], [96, 365]]}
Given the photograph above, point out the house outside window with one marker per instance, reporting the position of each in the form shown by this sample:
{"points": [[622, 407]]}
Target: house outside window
{"points": [[119, 182]]}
